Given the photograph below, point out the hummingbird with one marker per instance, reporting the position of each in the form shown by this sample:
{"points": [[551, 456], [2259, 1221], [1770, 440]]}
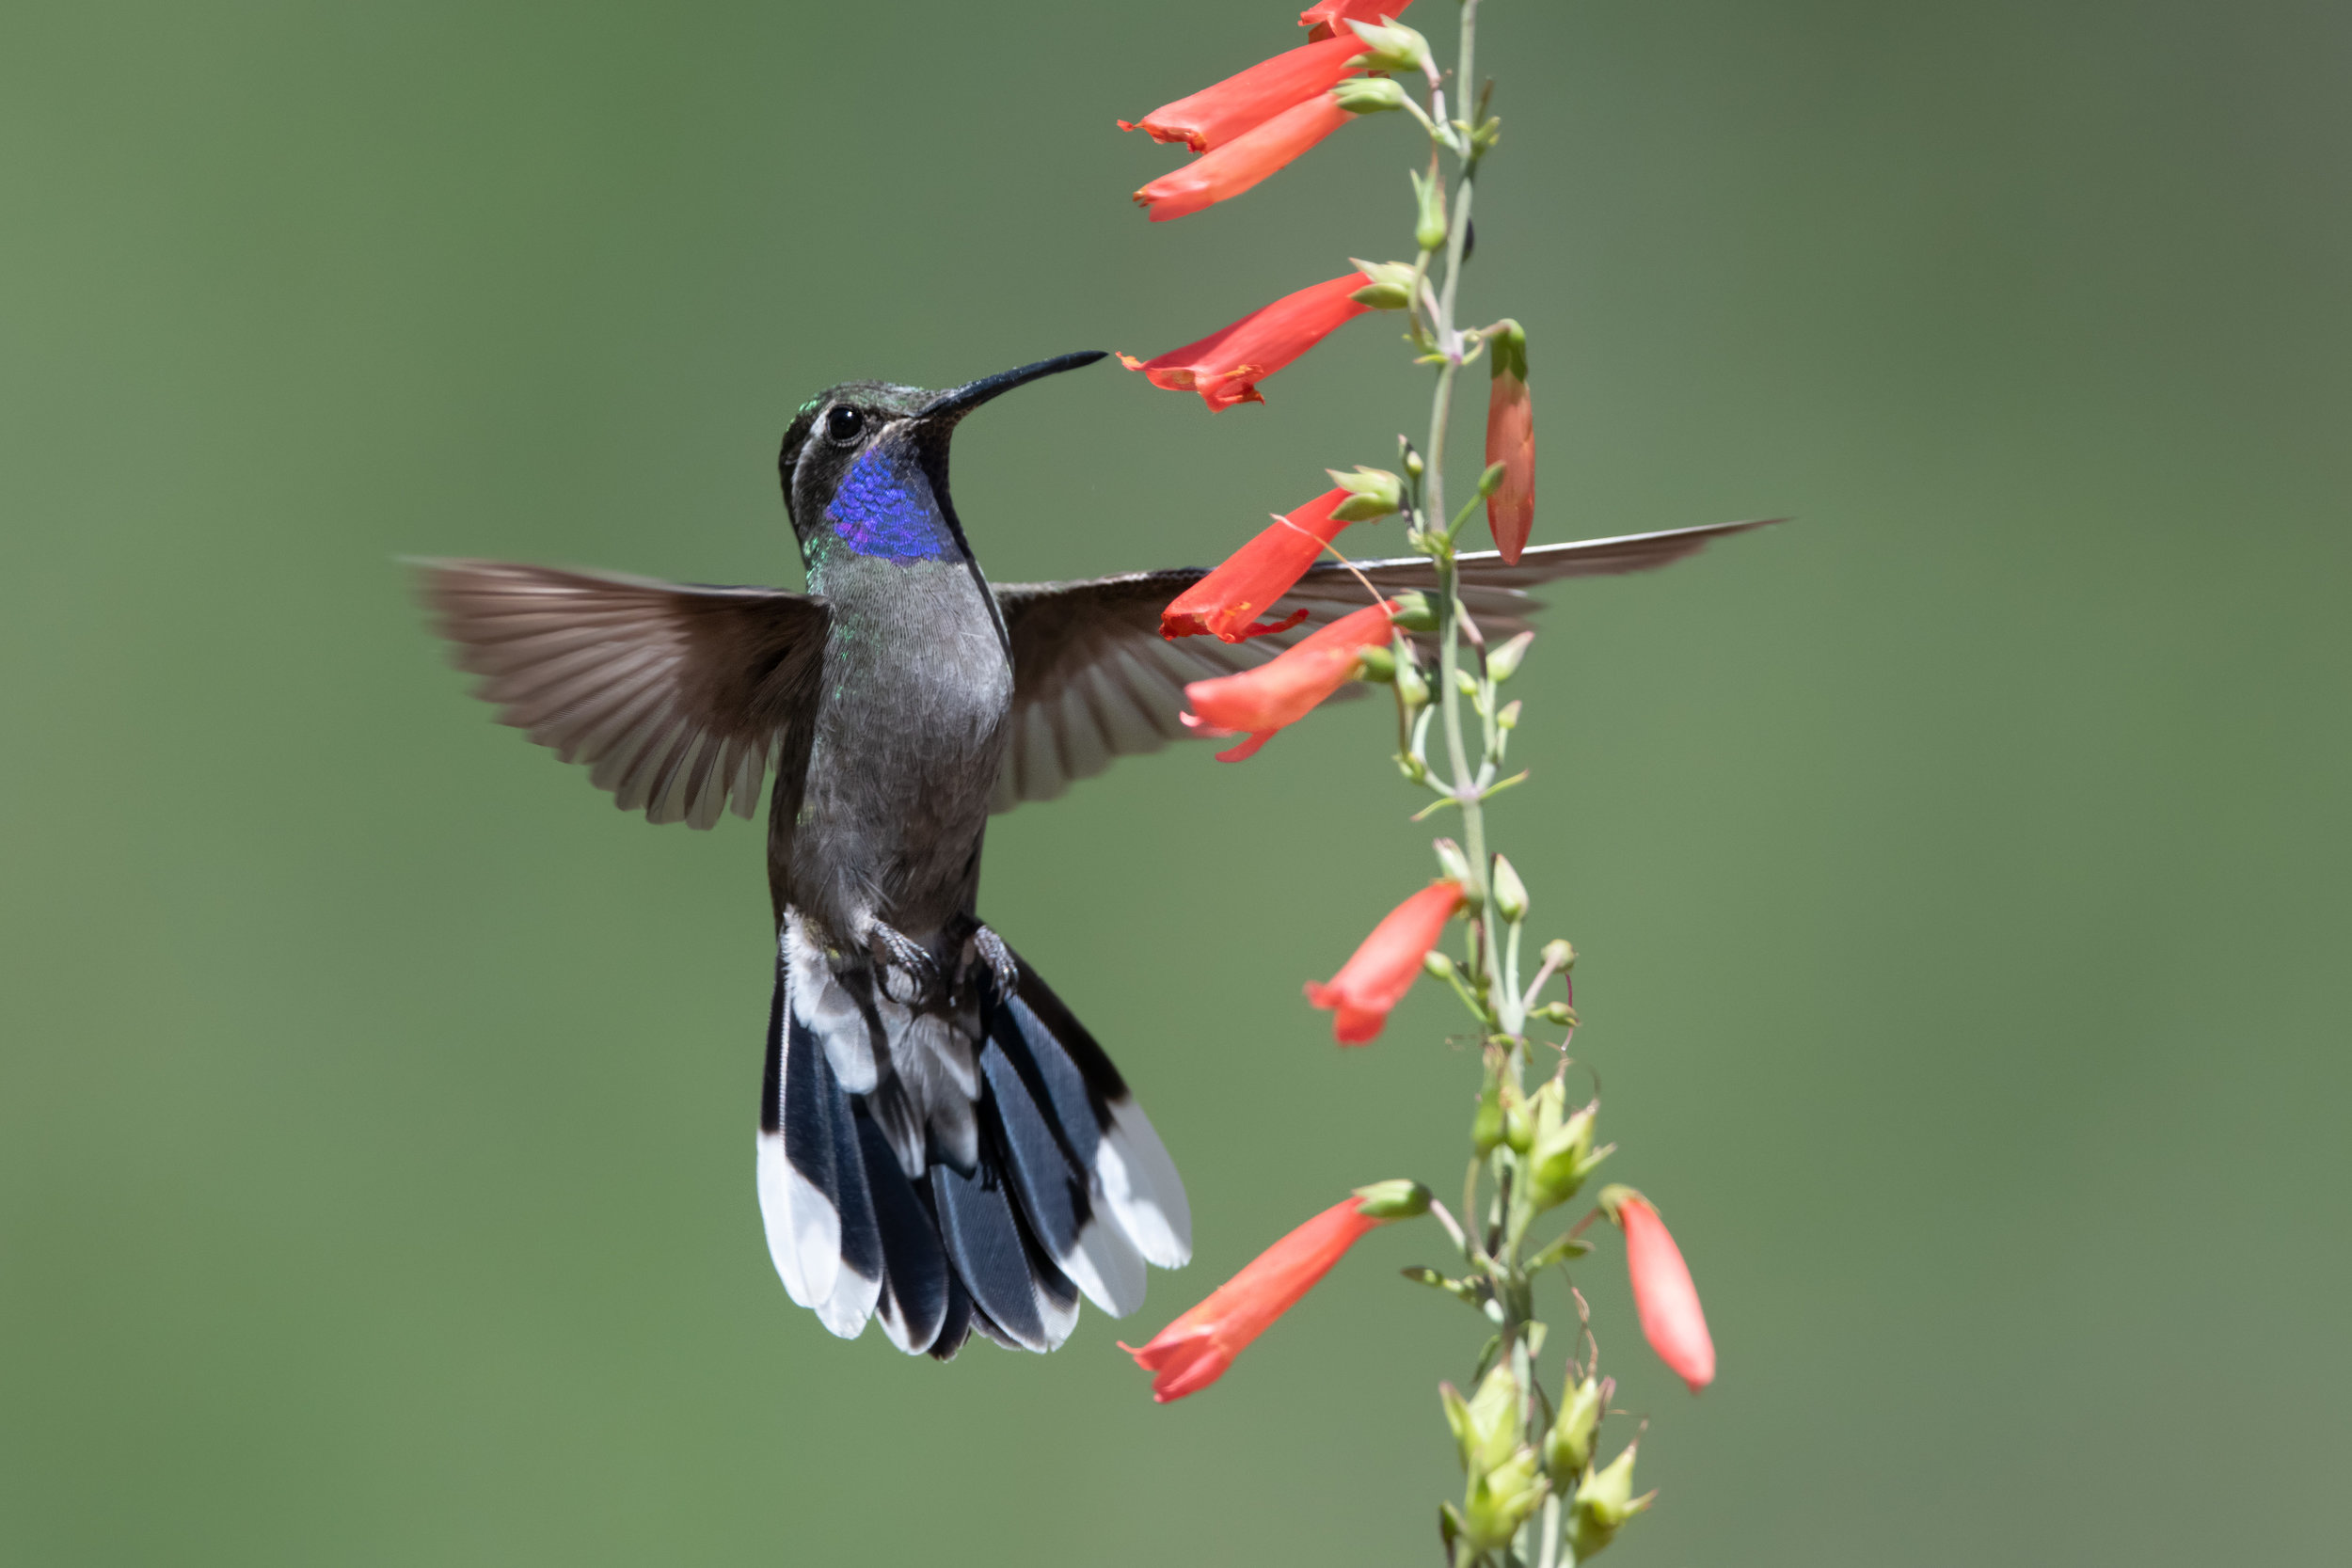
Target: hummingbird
{"points": [[942, 1147]]}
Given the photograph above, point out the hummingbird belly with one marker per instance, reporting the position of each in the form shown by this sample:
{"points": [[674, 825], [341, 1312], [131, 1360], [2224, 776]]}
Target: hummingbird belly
{"points": [[909, 737]]}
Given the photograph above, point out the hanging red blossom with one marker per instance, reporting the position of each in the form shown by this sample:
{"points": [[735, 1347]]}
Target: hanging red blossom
{"points": [[1326, 18], [1226, 366], [1223, 603], [1663, 1293], [1511, 441], [1193, 1350], [1238, 164], [1376, 980], [1285, 688], [1213, 116]]}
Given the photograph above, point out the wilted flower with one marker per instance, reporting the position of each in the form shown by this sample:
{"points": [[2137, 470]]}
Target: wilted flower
{"points": [[1285, 688], [1193, 1350], [1511, 441], [1226, 366], [1213, 116], [1253, 576], [1241, 163], [1376, 977], [1663, 1293]]}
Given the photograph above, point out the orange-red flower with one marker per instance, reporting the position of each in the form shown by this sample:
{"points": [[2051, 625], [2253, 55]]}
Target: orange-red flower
{"points": [[1326, 17], [1376, 980], [1193, 1350], [1511, 441], [1241, 163], [1286, 688], [1253, 576], [1226, 366], [1663, 1295], [1215, 116]]}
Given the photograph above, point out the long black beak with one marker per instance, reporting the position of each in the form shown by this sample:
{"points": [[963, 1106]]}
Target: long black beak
{"points": [[954, 404]]}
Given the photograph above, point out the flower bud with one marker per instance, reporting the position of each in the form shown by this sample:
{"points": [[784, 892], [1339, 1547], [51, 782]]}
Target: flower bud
{"points": [[1563, 1157], [1501, 1501], [1368, 95], [1429, 228], [1376, 664], [1371, 493], [1568, 1445], [1559, 955], [1603, 1502], [1409, 457], [1509, 717], [1438, 966], [1452, 861], [1485, 1426], [1392, 1200], [1519, 1121], [1466, 683], [1389, 285], [1487, 1126], [1555, 1012], [1504, 662], [1390, 46], [1510, 892], [1412, 685]]}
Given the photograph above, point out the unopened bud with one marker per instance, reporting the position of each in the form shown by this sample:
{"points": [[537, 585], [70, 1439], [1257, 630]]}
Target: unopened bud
{"points": [[1509, 717], [1410, 458], [1501, 1501], [1487, 1126], [1411, 685], [1392, 1200], [1429, 227], [1368, 95], [1563, 1157], [1491, 480], [1568, 1445], [1466, 683], [1519, 1121], [1559, 955], [1486, 1427], [1438, 964], [1453, 862], [1510, 892], [1413, 611], [1555, 1012], [1376, 664], [1604, 1501], [1504, 662], [1371, 493], [1390, 46]]}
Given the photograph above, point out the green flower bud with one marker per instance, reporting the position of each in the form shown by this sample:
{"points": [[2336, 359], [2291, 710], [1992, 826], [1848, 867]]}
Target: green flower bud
{"points": [[1487, 1126], [1559, 955], [1510, 892], [1452, 863], [1509, 717], [1387, 286], [1490, 1434], [1371, 493], [1519, 1121], [1491, 480], [1501, 1501], [1429, 227], [1604, 1501], [1568, 1445], [1390, 46], [1411, 685], [1438, 964], [1563, 1157], [1414, 612], [1392, 1200], [1504, 662], [1376, 664], [1368, 95], [1466, 683], [1555, 1012]]}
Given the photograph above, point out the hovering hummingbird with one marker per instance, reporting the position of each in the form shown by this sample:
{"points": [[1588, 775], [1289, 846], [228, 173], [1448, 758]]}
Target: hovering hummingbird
{"points": [[942, 1146]]}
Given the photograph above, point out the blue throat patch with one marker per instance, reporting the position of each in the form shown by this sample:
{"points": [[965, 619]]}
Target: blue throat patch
{"points": [[885, 508]]}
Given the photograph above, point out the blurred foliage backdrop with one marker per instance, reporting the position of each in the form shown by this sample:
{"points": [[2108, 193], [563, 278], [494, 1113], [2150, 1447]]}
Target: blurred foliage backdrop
{"points": [[1960, 870]]}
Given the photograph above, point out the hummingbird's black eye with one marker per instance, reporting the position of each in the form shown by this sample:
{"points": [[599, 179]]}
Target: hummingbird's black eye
{"points": [[844, 424]]}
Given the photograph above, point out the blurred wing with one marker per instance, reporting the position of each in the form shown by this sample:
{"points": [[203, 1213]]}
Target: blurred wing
{"points": [[674, 696], [1093, 678]]}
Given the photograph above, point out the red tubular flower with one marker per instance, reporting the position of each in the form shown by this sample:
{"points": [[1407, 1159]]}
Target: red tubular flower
{"points": [[1384, 968], [1241, 163], [1226, 366], [1193, 1350], [1511, 441], [1286, 688], [1326, 18], [1663, 1295], [1253, 576], [1215, 116]]}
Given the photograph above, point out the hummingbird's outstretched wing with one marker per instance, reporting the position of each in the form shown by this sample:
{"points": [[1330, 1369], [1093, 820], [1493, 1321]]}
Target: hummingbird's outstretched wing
{"points": [[1093, 678], [675, 696]]}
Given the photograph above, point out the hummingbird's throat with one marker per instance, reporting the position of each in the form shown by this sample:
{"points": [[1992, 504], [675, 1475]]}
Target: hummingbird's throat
{"points": [[885, 508]]}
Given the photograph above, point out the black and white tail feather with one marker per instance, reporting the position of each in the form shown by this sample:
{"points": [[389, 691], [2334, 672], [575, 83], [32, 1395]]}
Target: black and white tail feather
{"points": [[952, 1157]]}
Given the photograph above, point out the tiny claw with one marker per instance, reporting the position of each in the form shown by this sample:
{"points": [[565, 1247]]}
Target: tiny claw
{"points": [[1000, 961], [892, 948]]}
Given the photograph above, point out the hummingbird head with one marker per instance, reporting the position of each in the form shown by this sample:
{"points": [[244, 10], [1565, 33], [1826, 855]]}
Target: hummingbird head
{"points": [[864, 467]]}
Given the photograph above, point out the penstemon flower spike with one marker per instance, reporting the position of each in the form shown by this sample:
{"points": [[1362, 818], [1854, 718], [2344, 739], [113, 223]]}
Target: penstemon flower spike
{"points": [[1535, 1494]]}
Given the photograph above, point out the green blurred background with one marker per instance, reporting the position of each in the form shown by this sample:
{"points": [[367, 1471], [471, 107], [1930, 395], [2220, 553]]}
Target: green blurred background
{"points": [[1959, 870]]}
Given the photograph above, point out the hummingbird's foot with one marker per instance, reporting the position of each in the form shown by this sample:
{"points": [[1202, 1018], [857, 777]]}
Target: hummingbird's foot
{"points": [[895, 951], [999, 959]]}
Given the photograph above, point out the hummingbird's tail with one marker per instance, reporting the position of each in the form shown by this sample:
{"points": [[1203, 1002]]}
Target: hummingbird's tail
{"points": [[952, 1157]]}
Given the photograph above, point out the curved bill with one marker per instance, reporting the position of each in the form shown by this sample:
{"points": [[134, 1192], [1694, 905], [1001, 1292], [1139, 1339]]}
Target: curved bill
{"points": [[959, 400]]}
